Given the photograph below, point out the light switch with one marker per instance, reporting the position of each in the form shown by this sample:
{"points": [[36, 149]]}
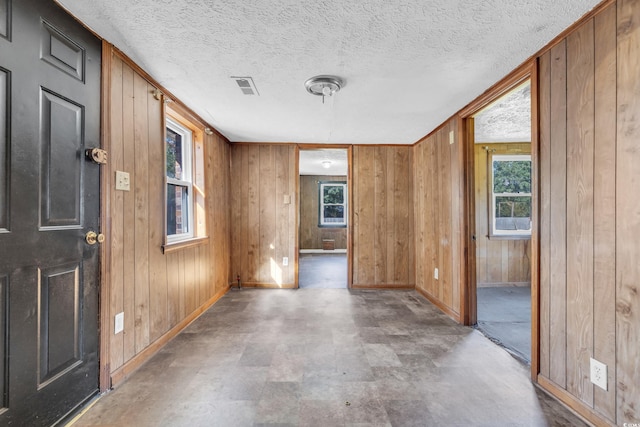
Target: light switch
{"points": [[122, 181], [287, 199]]}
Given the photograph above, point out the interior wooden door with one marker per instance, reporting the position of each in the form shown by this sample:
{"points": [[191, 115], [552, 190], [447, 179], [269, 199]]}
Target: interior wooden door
{"points": [[49, 201]]}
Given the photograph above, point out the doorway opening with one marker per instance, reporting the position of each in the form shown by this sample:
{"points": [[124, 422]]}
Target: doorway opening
{"points": [[323, 232], [502, 177]]}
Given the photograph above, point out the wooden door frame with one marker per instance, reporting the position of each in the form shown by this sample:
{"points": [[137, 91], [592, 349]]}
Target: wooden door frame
{"points": [[349, 149], [528, 70]]}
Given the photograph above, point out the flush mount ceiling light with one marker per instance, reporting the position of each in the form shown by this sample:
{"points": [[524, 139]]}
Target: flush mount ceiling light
{"points": [[323, 85], [326, 164]]}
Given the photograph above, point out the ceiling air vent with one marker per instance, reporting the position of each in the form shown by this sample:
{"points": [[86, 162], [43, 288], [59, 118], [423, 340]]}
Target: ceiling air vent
{"points": [[246, 85]]}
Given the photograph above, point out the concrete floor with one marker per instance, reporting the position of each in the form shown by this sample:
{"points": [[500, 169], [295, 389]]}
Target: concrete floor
{"points": [[327, 271], [504, 315], [328, 357]]}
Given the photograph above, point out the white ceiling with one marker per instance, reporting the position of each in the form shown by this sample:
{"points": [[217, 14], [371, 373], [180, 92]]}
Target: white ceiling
{"points": [[508, 119], [311, 162], [408, 64]]}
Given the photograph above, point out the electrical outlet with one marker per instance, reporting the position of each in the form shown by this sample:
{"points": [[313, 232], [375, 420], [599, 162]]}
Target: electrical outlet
{"points": [[119, 323], [598, 373], [285, 261], [435, 273], [122, 181], [451, 137]]}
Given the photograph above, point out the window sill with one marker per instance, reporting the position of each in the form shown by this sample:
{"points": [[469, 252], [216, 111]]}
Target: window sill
{"points": [[512, 237], [183, 244], [332, 226]]}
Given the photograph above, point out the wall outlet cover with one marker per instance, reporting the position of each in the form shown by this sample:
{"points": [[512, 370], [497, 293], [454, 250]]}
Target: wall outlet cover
{"points": [[435, 273], [285, 261], [598, 373], [122, 181]]}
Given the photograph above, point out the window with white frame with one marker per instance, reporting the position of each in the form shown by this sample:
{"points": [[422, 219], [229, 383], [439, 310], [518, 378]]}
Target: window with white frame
{"points": [[510, 195], [179, 144], [333, 204]]}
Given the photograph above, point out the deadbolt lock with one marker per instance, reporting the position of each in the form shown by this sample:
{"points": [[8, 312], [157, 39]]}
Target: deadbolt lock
{"points": [[97, 155], [92, 237]]}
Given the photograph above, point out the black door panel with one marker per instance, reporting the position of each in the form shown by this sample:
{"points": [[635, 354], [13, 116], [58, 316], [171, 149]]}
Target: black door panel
{"points": [[49, 200]]}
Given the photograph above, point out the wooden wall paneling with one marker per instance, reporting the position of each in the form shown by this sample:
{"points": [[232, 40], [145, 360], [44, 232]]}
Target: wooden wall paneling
{"points": [[481, 231], [544, 167], [253, 218], [456, 216], [267, 264], [141, 227], [380, 218], [604, 209], [157, 261], [128, 258], [418, 197], [432, 202], [282, 248], [191, 291], [400, 221], [580, 127], [311, 234], [116, 156], [558, 216], [294, 213], [628, 213], [446, 219], [364, 189], [173, 288]]}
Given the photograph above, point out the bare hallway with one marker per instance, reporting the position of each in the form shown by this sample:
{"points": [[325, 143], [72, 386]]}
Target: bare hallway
{"points": [[328, 357]]}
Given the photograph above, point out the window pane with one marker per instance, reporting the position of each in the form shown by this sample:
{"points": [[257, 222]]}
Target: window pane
{"points": [[334, 214], [174, 154], [333, 194], [177, 209], [513, 213], [512, 176]]}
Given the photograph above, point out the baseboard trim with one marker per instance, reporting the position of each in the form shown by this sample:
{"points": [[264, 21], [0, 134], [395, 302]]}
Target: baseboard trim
{"points": [[266, 285], [383, 286], [123, 372], [573, 403], [433, 300]]}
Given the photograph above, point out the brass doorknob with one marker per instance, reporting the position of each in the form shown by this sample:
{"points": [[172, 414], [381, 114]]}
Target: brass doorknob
{"points": [[92, 237]]}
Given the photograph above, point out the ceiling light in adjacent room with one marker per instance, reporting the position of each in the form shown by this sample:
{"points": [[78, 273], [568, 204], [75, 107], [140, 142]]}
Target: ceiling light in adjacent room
{"points": [[326, 164]]}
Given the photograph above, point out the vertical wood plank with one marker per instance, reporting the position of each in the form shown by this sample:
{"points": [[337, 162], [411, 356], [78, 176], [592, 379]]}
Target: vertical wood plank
{"points": [[281, 159], [268, 265], [393, 275], [253, 214], [381, 195], [129, 214], [400, 221], [558, 216], [446, 263], [365, 213], [157, 261], [116, 358], [604, 210], [141, 188], [628, 213], [580, 128]]}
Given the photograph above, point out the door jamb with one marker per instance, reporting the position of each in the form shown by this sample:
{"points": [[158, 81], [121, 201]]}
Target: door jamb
{"points": [[349, 149], [528, 70]]}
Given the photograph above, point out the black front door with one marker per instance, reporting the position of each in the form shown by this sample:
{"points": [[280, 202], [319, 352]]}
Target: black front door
{"points": [[49, 200]]}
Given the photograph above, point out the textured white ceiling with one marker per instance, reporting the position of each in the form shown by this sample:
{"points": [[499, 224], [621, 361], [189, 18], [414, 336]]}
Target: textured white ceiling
{"points": [[311, 162], [508, 119], [408, 64]]}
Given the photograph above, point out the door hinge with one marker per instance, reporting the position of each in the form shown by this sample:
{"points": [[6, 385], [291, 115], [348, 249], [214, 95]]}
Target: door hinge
{"points": [[97, 155]]}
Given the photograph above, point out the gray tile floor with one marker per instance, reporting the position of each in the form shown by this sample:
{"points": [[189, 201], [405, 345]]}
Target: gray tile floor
{"points": [[504, 315], [328, 357], [323, 271]]}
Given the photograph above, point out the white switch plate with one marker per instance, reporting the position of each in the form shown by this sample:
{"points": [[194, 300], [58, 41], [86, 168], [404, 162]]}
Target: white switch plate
{"points": [[122, 181], [119, 323], [451, 137], [287, 199], [435, 273], [598, 373], [285, 261]]}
